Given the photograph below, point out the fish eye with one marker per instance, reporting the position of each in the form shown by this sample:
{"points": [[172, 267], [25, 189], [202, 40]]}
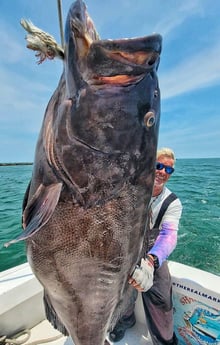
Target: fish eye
{"points": [[149, 119]]}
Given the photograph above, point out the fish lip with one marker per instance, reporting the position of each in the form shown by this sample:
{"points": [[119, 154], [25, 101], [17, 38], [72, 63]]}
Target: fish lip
{"points": [[78, 9], [118, 80], [131, 45], [78, 22]]}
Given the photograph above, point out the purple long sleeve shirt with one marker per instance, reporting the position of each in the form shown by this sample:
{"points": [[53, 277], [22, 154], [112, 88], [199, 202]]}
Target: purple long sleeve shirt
{"points": [[167, 239]]}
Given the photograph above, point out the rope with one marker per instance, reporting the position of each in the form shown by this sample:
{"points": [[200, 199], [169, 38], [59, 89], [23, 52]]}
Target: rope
{"points": [[59, 5], [42, 42], [13, 341]]}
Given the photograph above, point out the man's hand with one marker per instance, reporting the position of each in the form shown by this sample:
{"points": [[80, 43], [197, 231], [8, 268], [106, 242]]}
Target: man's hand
{"points": [[142, 278]]}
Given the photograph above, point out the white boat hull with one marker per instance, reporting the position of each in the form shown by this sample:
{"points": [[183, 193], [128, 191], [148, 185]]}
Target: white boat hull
{"points": [[196, 297]]}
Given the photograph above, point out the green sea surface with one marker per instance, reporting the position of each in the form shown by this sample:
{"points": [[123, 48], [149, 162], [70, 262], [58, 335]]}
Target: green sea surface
{"points": [[195, 181]]}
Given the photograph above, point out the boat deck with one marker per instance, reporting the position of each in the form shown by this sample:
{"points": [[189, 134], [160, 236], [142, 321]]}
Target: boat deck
{"points": [[45, 333], [195, 294]]}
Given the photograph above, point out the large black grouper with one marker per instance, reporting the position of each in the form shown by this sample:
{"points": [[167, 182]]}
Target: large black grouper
{"points": [[86, 206]]}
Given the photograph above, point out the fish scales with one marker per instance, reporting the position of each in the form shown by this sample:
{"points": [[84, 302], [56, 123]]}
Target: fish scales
{"points": [[86, 206]]}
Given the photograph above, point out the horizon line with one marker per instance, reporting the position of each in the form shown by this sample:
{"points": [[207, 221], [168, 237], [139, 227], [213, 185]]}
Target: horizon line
{"points": [[31, 163]]}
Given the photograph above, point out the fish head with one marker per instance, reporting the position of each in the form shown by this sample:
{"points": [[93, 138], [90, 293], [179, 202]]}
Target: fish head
{"points": [[106, 108]]}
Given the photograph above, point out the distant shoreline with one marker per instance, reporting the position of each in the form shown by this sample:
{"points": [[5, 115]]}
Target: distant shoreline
{"points": [[8, 164], [31, 163]]}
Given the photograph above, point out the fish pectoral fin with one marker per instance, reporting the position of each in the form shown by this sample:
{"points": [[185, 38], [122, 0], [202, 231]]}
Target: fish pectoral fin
{"points": [[41, 207], [38, 210]]}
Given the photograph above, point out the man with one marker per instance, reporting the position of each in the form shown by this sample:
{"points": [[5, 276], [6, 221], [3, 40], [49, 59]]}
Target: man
{"points": [[152, 278]]}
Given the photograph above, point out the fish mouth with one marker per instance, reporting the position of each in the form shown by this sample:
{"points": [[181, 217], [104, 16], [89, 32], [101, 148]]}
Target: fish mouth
{"points": [[118, 62], [121, 62], [129, 61]]}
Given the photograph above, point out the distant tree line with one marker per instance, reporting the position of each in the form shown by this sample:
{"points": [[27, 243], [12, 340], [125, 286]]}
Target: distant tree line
{"points": [[23, 163]]}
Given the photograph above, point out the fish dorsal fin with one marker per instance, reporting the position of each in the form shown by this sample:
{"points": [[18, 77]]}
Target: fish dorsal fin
{"points": [[39, 210]]}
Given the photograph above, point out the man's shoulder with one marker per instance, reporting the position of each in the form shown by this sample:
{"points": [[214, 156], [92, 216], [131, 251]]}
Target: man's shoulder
{"points": [[168, 192]]}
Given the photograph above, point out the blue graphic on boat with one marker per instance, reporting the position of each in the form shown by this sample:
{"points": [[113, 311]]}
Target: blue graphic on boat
{"points": [[204, 324]]}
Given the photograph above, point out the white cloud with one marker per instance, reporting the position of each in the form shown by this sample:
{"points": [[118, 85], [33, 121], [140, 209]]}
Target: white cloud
{"points": [[196, 72], [177, 14], [13, 50]]}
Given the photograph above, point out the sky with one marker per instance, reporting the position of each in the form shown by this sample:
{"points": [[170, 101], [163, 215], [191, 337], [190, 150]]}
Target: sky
{"points": [[189, 71]]}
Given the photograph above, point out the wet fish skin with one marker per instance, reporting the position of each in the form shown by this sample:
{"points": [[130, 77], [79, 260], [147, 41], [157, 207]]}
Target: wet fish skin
{"points": [[85, 209]]}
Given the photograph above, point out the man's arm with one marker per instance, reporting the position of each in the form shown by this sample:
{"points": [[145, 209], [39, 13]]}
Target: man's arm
{"points": [[167, 238], [142, 277]]}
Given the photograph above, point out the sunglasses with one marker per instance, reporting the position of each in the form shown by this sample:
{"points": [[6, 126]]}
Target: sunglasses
{"points": [[160, 166]]}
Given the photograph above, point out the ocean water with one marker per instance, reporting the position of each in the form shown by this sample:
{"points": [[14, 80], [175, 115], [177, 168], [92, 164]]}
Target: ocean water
{"points": [[195, 181]]}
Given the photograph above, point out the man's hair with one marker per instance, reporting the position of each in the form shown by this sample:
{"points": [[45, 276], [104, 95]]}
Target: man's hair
{"points": [[165, 151]]}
